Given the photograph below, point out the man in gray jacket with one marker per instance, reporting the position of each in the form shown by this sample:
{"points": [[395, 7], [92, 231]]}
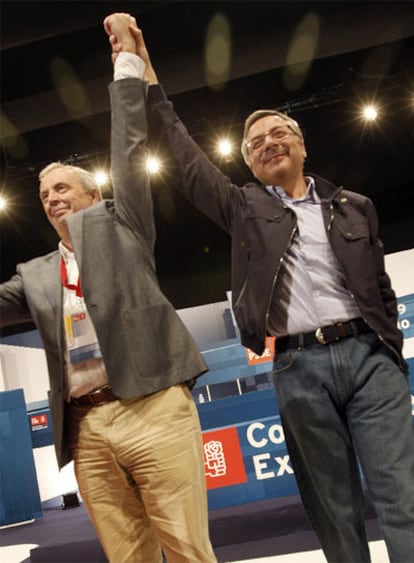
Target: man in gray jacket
{"points": [[120, 360], [308, 268]]}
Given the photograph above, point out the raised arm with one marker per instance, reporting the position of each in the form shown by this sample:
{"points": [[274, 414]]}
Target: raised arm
{"points": [[132, 193], [195, 176]]}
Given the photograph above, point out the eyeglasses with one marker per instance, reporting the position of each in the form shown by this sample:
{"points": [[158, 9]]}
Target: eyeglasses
{"points": [[277, 134]]}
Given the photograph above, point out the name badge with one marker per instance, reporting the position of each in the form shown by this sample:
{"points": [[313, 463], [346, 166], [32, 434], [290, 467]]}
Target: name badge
{"points": [[81, 338]]}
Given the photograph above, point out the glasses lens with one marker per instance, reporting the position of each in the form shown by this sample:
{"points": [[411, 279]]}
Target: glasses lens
{"points": [[277, 134]]}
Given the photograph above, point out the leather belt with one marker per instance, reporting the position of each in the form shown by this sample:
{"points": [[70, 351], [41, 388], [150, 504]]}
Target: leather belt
{"points": [[95, 398], [323, 335]]}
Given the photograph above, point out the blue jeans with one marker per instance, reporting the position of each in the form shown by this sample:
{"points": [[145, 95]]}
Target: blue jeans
{"points": [[340, 404]]}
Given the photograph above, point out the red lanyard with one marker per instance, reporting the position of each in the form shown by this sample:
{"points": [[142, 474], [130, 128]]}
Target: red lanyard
{"points": [[64, 278]]}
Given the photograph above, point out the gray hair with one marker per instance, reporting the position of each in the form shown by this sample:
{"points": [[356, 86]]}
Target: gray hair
{"points": [[86, 178], [258, 114]]}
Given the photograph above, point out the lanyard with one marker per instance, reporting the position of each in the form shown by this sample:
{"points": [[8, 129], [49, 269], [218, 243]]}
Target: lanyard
{"points": [[64, 278]]}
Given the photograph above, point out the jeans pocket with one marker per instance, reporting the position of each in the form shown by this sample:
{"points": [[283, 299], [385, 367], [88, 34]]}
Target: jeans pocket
{"points": [[283, 362]]}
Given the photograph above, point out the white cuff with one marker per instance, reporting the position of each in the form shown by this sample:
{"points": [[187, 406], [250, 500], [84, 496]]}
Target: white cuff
{"points": [[128, 65]]}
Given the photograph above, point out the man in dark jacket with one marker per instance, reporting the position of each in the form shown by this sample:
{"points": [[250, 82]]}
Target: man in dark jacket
{"points": [[120, 359], [308, 268]]}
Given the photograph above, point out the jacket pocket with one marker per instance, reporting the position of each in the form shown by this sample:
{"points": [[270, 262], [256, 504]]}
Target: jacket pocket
{"points": [[357, 232]]}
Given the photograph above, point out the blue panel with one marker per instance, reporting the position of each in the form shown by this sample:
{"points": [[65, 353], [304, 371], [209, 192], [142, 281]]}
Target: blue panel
{"points": [[262, 444], [29, 339], [19, 492], [235, 410]]}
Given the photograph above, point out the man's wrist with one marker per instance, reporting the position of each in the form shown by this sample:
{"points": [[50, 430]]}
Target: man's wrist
{"points": [[128, 65]]}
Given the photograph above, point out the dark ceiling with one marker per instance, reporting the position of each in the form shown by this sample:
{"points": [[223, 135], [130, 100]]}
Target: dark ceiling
{"points": [[316, 60]]}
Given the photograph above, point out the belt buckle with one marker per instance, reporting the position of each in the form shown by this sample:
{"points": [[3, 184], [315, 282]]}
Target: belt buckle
{"points": [[95, 397], [332, 333], [320, 336]]}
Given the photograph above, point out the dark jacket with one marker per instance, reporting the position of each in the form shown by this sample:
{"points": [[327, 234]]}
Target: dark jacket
{"points": [[262, 228]]}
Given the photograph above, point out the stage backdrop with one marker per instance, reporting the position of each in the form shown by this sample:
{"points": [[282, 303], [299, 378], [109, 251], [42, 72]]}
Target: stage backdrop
{"points": [[245, 453]]}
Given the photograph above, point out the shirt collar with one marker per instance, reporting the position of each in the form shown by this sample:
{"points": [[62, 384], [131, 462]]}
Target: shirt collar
{"points": [[311, 194], [65, 252]]}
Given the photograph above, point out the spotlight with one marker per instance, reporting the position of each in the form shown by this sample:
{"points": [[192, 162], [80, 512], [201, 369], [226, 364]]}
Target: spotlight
{"points": [[3, 203], [153, 165], [370, 113], [101, 177], [225, 147]]}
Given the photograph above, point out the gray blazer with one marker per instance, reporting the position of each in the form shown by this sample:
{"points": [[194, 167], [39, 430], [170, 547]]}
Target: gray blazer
{"points": [[144, 344]]}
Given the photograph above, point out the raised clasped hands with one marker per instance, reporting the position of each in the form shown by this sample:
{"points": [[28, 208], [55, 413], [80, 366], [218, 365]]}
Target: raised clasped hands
{"points": [[124, 35]]}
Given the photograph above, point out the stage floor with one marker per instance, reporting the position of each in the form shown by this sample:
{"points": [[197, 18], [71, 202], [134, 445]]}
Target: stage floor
{"points": [[271, 531]]}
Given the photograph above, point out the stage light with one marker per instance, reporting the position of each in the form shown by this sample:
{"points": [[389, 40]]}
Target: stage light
{"points": [[153, 165], [101, 177], [3, 203], [370, 113], [224, 147]]}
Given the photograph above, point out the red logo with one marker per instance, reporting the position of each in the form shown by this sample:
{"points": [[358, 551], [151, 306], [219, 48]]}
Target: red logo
{"points": [[223, 460], [79, 317], [39, 422], [267, 356]]}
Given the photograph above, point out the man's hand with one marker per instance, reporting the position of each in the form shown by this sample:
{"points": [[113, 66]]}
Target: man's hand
{"points": [[117, 27], [124, 35], [142, 51]]}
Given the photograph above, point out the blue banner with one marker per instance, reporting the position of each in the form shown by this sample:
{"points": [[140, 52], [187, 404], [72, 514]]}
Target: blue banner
{"points": [[406, 315]]}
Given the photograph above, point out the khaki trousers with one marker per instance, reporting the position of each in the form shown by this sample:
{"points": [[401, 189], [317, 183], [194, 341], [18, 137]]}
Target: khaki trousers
{"points": [[140, 470]]}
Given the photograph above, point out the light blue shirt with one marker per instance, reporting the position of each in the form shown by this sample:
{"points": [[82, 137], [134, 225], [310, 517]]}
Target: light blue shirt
{"points": [[310, 291]]}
